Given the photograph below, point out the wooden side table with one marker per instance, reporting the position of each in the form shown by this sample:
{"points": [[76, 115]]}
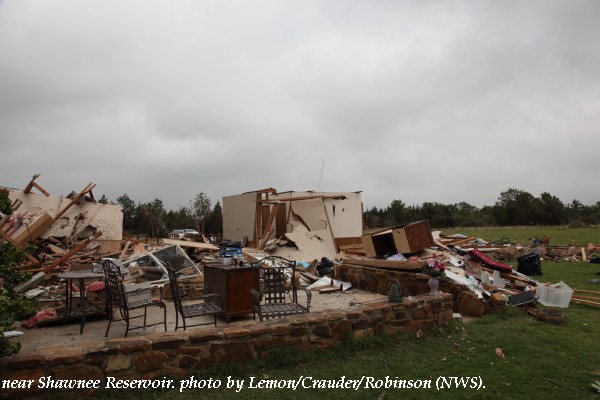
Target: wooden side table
{"points": [[233, 284]]}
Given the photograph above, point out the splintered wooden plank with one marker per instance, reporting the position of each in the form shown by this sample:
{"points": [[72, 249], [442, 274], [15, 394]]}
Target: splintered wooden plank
{"points": [[75, 199], [253, 255], [125, 250], [65, 257], [330, 289], [56, 249], [185, 243], [32, 184], [372, 262]]}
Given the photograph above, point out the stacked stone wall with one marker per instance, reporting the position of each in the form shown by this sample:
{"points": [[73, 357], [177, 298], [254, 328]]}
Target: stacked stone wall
{"points": [[177, 354]]}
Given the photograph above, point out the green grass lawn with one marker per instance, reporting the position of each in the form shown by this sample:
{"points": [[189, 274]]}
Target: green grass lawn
{"points": [[542, 360], [559, 236]]}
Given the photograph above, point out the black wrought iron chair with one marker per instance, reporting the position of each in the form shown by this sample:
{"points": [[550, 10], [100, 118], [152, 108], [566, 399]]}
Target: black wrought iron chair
{"points": [[206, 304], [121, 303], [275, 293]]}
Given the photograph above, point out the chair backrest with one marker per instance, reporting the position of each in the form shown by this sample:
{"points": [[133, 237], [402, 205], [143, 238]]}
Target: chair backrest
{"points": [[175, 289], [114, 284], [274, 278]]}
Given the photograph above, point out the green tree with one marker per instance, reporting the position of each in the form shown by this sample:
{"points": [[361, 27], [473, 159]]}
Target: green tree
{"points": [[214, 223], [201, 211], [373, 218], [130, 216], [575, 211], [182, 218], [13, 306], [396, 213], [516, 207], [553, 211], [152, 218], [466, 214]]}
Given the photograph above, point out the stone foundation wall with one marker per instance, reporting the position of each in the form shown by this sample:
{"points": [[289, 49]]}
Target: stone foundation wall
{"points": [[371, 279], [376, 279], [174, 354]]}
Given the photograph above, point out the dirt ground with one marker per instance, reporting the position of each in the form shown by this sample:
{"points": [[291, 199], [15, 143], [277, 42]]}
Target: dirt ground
{"points": [[67, 334]]}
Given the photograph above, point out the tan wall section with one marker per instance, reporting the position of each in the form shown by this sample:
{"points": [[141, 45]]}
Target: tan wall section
{"points": [[238, 216]]}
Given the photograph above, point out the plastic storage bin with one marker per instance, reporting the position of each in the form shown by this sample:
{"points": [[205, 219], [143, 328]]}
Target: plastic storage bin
{"points": [[138, 292], [558, 295]]}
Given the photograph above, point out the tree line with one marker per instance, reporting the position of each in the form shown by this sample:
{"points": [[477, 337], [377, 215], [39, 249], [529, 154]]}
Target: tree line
{"points": [[153, 220], [514, 207]]}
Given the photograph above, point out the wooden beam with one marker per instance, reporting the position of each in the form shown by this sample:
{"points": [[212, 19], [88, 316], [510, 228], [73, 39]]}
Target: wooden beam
{"points": [[16, 204], [586, 302], [372, 262], [510, 277], [263, 240], [267, 229], [125, 248], [329, 227], [586, 291], [585, 297], [33, 184], [338, 197], [257, 220], [186, 243]]}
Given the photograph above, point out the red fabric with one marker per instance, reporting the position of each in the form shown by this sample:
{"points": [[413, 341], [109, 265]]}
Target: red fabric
{"points": [[493, 264]]}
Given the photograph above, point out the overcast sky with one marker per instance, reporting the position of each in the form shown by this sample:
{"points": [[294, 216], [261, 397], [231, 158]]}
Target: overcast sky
{"points": [[421, 101]]}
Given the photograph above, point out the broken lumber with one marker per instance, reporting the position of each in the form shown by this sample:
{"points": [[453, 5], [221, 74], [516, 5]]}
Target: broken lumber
{"points": [[32, 184], [299, 198], [328, 288], [68, 255], [309, 276], [185, 243], [585, 302], [125, 249], [267, 229], [510, 277], [575, 296], [586, 291], [32, 231]]}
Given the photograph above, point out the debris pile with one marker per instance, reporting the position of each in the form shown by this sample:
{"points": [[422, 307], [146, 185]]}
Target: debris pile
{"points": [[318, 231], [476, 266], [75, 233]]}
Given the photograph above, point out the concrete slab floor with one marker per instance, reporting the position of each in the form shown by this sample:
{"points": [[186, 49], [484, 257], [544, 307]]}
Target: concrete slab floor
{"points": [[67, 334]]}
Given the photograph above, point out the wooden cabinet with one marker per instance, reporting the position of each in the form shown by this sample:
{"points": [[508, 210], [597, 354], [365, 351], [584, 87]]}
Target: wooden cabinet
{"points": [[408, 238], [233, 284]]}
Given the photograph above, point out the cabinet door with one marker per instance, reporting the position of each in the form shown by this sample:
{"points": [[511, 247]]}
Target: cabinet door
{"points": [[214, 280], [239, 284]]}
